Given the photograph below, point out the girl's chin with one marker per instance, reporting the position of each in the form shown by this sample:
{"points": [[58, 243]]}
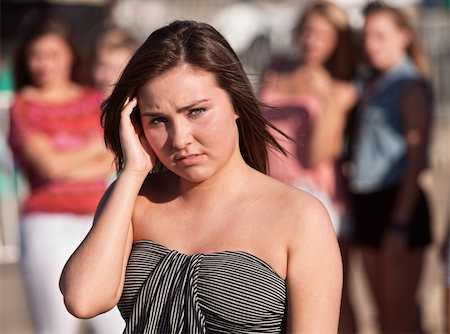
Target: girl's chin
{"points": [[193, 176], [377, 64]]}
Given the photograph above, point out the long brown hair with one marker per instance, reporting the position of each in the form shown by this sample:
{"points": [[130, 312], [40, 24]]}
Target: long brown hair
{"points": [[342, 63], [34, 27], [200, 45], [414, 49]]}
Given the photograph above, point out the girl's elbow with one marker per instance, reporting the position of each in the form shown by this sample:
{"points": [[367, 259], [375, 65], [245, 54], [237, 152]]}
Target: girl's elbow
{"points": [[86, 307], [78, 308]]}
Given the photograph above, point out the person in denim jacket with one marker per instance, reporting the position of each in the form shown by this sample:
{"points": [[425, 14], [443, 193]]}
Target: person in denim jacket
{"points": [[389, 146]]}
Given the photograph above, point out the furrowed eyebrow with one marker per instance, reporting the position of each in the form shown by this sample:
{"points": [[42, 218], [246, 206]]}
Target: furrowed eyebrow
{"points": [[151, 113], [193, 104]]}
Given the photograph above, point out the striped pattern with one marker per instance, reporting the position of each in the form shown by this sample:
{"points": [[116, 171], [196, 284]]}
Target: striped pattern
{"points": [[225, 292]]}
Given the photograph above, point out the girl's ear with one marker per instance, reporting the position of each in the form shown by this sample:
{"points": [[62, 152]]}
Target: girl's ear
{"points": [[406, 38], [236, 114]]}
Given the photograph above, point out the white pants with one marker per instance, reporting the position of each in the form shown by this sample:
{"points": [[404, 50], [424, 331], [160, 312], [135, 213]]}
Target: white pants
{"points": [[48, 240]]}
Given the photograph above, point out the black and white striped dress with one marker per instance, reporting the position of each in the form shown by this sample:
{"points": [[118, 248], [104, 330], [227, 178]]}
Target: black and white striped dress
{"points": [[225, 292]]}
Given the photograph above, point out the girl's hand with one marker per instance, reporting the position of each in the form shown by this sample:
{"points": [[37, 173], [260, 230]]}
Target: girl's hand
{"points": [[138, 156]]}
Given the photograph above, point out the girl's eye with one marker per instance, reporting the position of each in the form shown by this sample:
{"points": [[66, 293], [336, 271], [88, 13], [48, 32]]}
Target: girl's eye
{"points": [[158, 120], [197, 111]]}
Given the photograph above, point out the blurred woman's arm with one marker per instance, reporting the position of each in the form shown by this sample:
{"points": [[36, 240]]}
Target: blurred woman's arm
{"points": [[99, 167], [416, 114], [87, 162], [328, 128]]}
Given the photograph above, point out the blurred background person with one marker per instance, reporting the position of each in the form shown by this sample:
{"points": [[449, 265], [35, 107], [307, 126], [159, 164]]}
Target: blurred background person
{"points": [[84, 16], [389, 150], [56, 139], [8, 197], [311, 98], [112, 51]]}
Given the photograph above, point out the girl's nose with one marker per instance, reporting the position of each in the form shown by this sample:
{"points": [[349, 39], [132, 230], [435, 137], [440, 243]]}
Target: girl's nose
{"points": [[181, 135]]}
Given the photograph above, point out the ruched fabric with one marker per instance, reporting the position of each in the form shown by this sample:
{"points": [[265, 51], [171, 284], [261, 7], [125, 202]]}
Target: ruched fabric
{"points": [[166, 291]]}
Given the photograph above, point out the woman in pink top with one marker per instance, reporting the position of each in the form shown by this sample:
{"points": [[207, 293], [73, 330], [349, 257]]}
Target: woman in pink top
{"points": [[309, 102], [56, 139]]}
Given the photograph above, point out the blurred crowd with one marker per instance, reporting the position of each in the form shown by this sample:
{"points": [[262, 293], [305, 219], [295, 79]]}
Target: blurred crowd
{"points": [[349, 82]]}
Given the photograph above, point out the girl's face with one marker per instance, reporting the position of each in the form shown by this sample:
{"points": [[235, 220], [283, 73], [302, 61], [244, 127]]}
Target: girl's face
{"points": [[49, 60], [108, 67], [189, 122], [318, 39], [384, 42]]}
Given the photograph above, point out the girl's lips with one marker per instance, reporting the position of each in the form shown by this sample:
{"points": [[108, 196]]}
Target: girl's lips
{"points": [[190, 160]]}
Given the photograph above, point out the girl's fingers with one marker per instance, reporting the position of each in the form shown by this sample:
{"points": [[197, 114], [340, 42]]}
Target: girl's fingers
{"points": [[126, 112], [147, 148], [129, 105]]}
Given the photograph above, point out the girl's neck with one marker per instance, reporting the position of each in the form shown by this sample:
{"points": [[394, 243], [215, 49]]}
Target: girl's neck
{"points": [[57, 87], [226, 183], [311, 63], [60, 92], [394, 64]]}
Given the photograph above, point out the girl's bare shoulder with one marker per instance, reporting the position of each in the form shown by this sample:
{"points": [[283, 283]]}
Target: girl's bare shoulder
{"points": [[295, 207], [301, 218]]}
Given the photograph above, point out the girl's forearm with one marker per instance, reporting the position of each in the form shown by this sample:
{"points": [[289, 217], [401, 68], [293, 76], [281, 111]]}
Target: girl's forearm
{"points": [[92, 279]]}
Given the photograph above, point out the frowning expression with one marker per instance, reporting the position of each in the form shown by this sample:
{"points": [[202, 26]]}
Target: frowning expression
{"points": [[189, 122]]}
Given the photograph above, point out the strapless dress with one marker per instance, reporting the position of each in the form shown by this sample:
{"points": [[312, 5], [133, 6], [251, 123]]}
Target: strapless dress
{"points": [[166, 291]]}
